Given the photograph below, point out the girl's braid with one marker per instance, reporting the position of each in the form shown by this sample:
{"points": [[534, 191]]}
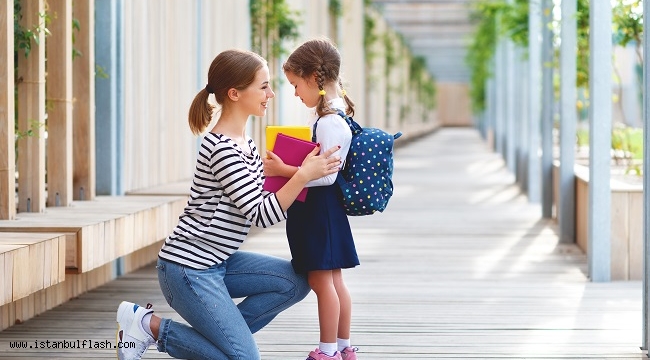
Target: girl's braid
{"points": [[320, 76]]}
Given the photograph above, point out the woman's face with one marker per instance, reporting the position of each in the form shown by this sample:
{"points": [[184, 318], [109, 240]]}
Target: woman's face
{"points": [[255, 98], [305, 89]]}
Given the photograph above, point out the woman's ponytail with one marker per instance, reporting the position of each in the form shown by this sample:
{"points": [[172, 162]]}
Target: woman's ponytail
{"points": [[200, 114]]}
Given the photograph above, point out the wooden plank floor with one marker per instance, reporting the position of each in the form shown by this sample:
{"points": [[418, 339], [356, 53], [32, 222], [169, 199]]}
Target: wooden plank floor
{"points": [[459, 266]]}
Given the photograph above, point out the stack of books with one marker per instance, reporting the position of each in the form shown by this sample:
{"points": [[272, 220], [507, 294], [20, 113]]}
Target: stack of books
{"points": [[291, 144]]}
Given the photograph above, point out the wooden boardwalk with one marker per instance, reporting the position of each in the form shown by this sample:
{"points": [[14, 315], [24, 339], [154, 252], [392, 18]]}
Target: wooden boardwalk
{"points": [[459, 266]]}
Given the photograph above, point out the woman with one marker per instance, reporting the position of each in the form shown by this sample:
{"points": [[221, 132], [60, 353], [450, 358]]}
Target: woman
{"points": [[199, 266]]}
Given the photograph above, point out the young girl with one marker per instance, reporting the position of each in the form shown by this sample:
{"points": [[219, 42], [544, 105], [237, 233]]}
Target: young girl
{"points": [[318, 230], [199, 265]]}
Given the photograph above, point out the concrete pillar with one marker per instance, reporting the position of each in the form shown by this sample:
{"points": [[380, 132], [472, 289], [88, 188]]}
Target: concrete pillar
{"points": [[600, 140], [568, 121]]}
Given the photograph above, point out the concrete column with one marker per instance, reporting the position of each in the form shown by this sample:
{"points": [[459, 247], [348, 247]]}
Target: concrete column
{"points": [[7, 112], [568, 121], [499, 118], [547, 110], [535, 95], [646, 178], [510, 104], [352, 51], [600, 140], [109, 104], [521, 114]]}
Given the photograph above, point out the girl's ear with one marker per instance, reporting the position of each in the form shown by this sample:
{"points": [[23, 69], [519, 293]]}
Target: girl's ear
{"points": [[233, 94]]}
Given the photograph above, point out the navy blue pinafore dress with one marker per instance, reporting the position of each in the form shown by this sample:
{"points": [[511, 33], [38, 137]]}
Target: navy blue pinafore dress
{"points": [[319, 232]]}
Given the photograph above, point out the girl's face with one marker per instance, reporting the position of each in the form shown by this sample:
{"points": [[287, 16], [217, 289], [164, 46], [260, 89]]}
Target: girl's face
{"points": [[305, 89], [255, 97]]}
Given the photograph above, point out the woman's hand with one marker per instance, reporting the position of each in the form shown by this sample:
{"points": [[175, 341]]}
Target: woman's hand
{"points": [[316, 166], [313, 167]]}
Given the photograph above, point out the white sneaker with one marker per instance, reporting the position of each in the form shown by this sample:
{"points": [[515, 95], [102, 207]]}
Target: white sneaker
{"points": [[132, 340]]}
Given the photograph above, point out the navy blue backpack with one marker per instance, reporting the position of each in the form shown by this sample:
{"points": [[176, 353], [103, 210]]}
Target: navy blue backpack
{"points": [[366, 180]]}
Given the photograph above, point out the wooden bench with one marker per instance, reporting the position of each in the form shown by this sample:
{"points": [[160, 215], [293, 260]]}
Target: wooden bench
{"points": [[179, 188], [30, 262], [86, 237], [102, 230]]}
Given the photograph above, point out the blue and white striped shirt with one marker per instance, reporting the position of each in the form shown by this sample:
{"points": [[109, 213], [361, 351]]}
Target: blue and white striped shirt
{"points": [[225, 199]]}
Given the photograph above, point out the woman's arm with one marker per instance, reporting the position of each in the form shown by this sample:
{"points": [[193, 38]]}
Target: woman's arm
{"points": [[313, 167]]}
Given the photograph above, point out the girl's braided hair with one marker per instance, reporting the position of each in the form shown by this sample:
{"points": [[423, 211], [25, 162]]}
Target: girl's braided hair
{"points": [[321, 59]]}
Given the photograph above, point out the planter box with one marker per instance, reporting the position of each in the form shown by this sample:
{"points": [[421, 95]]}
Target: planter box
{"points": [[626, 227]]}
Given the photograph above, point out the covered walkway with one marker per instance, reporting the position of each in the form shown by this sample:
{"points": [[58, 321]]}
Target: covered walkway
{"points": [[461, 265]]}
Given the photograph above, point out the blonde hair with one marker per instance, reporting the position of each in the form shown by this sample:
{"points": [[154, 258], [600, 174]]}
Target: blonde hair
{"points": [[230, 69], [321, 58]]}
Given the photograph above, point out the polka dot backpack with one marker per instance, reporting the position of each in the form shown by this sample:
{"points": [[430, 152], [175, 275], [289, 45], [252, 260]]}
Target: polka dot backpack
{"points": [[366, 181]]}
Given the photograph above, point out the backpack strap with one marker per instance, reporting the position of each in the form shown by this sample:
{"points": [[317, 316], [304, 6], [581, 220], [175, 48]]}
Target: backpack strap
{"points": [[351, 123], [340, 180], [313, 131], [354, 127]]}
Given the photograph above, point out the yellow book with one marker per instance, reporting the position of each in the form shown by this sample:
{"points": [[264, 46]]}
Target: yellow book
{"points": [[300, 132]]}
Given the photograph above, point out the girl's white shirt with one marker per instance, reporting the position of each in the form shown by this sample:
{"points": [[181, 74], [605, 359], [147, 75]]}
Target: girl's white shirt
{"points": [[332, 130]]}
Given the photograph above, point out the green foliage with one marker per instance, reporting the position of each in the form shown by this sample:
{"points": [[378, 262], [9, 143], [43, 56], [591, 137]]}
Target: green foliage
{"points": [[629, 140], [76, 25], [497, 18], [100, 72], [627, 143], [627, 146], [390, 53], [627, 25], [369, 37], [34, 125], [335, 8], [582, 137], [482, 48], [514, 22], [627, 16], [582, 62], [423, 83], [23, 36], [269, 17], [32, 131], [417, 68]]}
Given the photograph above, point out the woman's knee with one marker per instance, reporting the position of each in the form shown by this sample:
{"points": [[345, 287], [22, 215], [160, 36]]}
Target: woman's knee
{"points": [[302, 287]]}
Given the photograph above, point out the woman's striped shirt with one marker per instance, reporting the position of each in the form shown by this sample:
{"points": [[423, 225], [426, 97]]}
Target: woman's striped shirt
{"points": [[225, 199]]}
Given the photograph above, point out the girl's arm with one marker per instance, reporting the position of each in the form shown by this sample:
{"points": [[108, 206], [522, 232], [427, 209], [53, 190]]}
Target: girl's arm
{"points": [[274, 166], [313, 167], [332, 130]]}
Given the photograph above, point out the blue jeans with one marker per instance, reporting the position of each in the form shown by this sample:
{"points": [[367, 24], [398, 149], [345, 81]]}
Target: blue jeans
{"points": [[220, 329]]}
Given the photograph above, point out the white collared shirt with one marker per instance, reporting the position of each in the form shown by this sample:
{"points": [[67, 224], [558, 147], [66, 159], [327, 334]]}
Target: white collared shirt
{"points": [[332, 130]]}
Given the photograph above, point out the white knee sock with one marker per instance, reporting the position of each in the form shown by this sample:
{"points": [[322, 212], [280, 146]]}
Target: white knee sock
{"points": [[328, 349], [342, 343]]}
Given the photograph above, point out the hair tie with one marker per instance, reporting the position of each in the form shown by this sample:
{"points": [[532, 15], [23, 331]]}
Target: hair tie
{"points": [[343, 92], [208, 88], [322, 92]]}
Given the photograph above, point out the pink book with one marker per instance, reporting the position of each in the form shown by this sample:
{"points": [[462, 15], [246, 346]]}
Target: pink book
{"points": [[292, 151]]}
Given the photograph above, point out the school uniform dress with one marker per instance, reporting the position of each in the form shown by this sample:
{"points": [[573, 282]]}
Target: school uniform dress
{"points": [[318, 229]]}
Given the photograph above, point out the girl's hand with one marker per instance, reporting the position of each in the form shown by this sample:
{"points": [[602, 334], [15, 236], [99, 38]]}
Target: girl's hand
{"points": [[316, 166], [273, 165]]}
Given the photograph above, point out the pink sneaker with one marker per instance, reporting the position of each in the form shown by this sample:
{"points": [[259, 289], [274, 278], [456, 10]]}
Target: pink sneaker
{"points": [[349, 353], [317, 355]]}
